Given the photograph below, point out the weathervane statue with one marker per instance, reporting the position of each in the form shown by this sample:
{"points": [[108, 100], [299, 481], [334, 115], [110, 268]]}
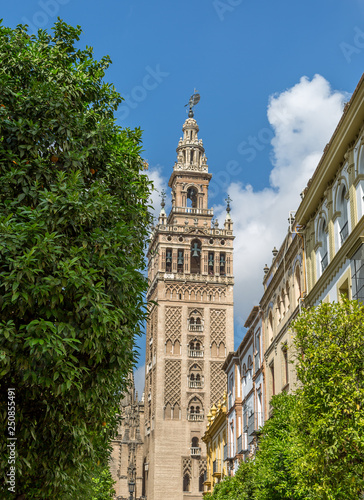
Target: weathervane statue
{"points": [[194, 99]]}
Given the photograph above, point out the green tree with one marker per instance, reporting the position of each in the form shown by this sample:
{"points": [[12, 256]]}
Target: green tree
{"points": [[277, 452], [237, 487], [74, 219], [102, 485], [330, 414]]}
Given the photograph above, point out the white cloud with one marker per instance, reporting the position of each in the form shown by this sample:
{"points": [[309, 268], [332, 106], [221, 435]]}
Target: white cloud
{"points": [[160, 183], [303, 119]]}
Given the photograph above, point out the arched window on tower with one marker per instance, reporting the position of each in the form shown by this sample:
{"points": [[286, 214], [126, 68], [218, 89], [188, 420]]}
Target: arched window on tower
{"points": [[169, 260], [180, 260], [222, 264], [195, 257], [192, 197], [186, 482]]}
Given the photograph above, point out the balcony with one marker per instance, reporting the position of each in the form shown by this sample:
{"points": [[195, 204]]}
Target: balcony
{"points": [[195, 384], [216, 468], [195, 417], [344, 232], [257, 361], [239, 444], [324, 262], [195, 452], [190, 210], [251, 427], [195, 353], [195, 328]]}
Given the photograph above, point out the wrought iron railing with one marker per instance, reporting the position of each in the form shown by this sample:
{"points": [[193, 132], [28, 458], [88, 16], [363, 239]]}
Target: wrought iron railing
{"points": [[344, 232], [324, 262]]}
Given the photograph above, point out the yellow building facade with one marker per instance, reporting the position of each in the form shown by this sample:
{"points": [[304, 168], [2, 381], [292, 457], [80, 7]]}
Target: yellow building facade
{"points": [[215, 439], [331, 213]]}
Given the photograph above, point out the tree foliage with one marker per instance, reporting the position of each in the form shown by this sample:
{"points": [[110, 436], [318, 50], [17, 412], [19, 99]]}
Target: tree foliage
{"points": [[73, 224], [312, 447], [330, 413]]}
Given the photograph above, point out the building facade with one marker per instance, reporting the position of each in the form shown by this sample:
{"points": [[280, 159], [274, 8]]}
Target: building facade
{"points": [[284, 291], [190, 329], [332, 212], [126, 462], [215, 439], [245, 385]]}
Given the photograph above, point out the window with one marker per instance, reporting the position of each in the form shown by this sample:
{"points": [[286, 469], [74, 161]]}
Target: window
{"points": [[297, 283], [186, 482], [343, 220], [192, 196], [195, 257], [357, 266], [272, 381], [169, 260], [222, 264], [322, 253], [270, 326], [285, 364]]}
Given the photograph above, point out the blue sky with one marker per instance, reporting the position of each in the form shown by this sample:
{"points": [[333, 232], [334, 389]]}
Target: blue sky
{"points": [[263, 124]]}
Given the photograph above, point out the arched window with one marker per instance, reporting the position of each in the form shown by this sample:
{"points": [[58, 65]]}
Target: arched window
{"points": [[322, 254], [343, 220], [279, 310], [192, 196], [286, 297], [195, 442], [201, 480], [195, 256], [270, 326], [195, 323], [195, 410], [297, 283], [186, 482]]}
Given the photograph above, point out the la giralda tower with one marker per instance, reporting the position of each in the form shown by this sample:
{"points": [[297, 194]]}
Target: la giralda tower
{"points": [[190, 330]]}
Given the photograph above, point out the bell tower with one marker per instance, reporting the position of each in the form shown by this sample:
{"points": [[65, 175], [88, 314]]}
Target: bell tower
{"points": [[190, 330]]}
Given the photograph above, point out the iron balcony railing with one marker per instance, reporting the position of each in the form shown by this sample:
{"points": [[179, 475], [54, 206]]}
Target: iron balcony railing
{"points": [[195, 353], [216, 467], [195, 417], [257, 361], [195, 384], [344, 232], [324, 262], [251, 427], [239, 444], [195, 451]]}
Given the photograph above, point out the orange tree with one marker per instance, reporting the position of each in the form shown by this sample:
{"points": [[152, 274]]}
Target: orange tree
{"points": [[73, 224], [329, 415]]}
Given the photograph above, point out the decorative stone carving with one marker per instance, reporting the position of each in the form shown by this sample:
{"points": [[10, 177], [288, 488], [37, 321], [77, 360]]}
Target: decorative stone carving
{"points": [[173, 323], [218, 326], [172, 382], [217, 382]]}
